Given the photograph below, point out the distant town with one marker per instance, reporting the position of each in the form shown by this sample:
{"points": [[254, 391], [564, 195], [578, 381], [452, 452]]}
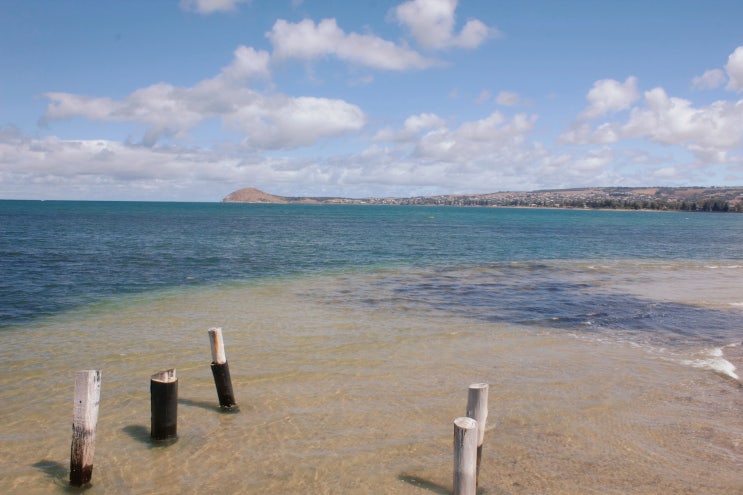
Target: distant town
{"points": [[712, 199]]}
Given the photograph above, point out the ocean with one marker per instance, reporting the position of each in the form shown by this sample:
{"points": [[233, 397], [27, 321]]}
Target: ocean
{"points": [[611, 341]]}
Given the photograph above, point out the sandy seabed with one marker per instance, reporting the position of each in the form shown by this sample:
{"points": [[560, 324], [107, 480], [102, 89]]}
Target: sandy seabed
{"points": [[338, 394]]}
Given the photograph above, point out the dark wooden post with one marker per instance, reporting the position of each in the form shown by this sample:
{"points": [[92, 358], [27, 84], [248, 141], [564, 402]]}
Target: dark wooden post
{"points": [[164, 405], [477, 409], [221, 370], [465, 456], [84, 420]]}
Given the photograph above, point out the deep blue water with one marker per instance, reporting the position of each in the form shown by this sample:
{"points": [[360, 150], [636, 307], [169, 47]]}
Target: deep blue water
{"points": [[57, 255]]}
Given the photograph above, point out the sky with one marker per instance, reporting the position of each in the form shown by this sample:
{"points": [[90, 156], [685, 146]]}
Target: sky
{"points": [[189, 100]]}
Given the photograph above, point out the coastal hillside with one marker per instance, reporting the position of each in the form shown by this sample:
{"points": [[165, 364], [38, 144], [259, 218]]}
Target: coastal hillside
{"points": [[252, 195], [722, 199]]}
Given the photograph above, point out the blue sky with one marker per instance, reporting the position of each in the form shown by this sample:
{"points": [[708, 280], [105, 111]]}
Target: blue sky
{"points": [[188, 100]]}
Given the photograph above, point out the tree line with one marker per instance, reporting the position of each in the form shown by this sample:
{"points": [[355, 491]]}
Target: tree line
{"points": [[705, 204]]}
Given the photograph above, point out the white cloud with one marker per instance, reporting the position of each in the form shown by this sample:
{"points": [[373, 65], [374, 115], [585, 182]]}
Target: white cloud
{"points": [[423, 156], [711, 79], [608, 95], [248, 63], [578, 133], [210, 6], [309, 41], [417, 123], [267, 120], [734, 69], [508, 99], [482, 139], [283, 122], [431, 23], [53, 168], [715, 78], [412, 126], [606, 133], [494, 138], [593, 161], [494, 153], [710, 131]]}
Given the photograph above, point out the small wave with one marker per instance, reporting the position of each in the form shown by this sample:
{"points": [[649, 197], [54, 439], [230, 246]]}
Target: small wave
{"points": [[714, 360]]}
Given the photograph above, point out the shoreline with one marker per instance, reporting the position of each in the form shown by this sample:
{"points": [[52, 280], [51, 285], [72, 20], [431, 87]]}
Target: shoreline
{"points": [[691, 199]]}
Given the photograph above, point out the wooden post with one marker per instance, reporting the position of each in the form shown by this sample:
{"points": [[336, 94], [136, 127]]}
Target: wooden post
{"points": [[221, 370], [164, 405], [477, 409], [465, 456], [84, 420]]}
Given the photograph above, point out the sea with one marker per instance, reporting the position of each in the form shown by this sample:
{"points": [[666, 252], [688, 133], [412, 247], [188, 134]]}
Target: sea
{"points": [[610, 341]]}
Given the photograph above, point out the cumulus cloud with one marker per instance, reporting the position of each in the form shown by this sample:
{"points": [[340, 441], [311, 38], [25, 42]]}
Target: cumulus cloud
{"points": [[309, 41], [422, 156], [444, 161], [248, 63], [498, 153], [431, 23], [79, 166], [711, 79], [280, 121], [267, 120], [732, 73], [494, 153], [493, 138], [734, 69], [710, 131], [210, 6], [608, 95], [110, 170]]}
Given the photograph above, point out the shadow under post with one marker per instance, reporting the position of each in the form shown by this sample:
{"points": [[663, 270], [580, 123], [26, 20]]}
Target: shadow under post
{"points": [[425, 484], [209, 406], [60, 474], [141, 434], [432, 487]]}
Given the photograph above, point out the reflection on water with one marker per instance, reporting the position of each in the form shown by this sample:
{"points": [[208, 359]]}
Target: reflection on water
{"points": [[349, 384]]}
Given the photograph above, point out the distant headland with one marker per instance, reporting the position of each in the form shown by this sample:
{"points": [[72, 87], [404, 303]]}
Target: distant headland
{"points": [[721, 199]]}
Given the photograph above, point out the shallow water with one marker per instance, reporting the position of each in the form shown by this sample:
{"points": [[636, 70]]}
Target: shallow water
{"points": [[600, 382], [611, 342]]}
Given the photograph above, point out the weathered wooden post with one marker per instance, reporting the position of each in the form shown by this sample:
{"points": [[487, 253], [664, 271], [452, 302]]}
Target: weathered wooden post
{"points": [[164, 405], [84, 420], [477, 409], [465, 456], [221, 370]]}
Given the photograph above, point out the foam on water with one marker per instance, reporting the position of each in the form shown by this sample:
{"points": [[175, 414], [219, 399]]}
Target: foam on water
{"points": [[714, 360]]}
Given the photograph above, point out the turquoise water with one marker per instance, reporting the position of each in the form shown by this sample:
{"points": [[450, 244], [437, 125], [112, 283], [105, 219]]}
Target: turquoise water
{"points": [[611, 342], [59, 255]]}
